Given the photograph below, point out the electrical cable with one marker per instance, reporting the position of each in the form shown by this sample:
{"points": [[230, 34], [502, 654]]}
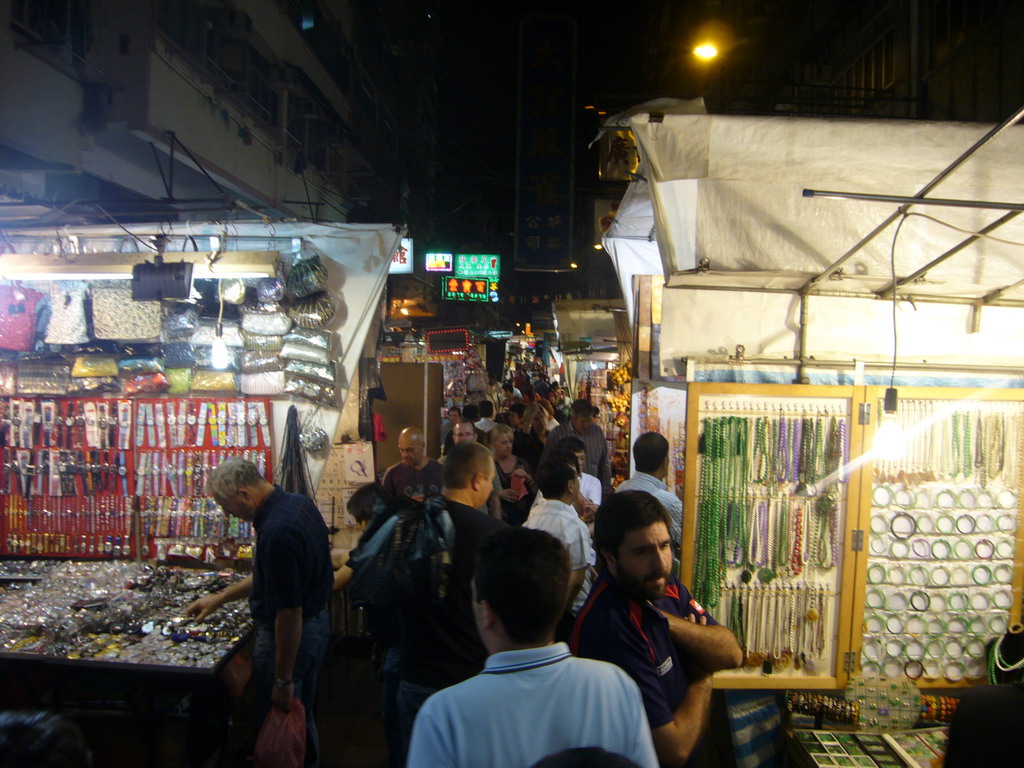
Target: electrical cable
{"points": [[965, 231], [892, 265]]}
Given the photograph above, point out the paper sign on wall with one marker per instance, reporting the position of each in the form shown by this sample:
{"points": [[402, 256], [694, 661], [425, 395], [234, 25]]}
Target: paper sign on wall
{"points": [[358, 463]]}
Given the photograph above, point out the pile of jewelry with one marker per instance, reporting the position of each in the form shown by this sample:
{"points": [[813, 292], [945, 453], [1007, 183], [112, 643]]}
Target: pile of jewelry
{"points": [[939, 709], [829, 708], [26, 569], [124, 612]]}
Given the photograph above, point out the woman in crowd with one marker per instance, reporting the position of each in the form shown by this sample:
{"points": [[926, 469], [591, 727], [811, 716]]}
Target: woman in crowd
{"points": [[533, 434], [517, 486]]}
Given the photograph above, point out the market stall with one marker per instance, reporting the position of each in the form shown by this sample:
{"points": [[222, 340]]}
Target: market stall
{"points": [[801, 271]]}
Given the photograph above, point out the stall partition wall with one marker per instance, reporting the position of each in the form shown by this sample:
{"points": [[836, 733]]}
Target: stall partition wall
{"points": [[415, 395], [784, 489]]}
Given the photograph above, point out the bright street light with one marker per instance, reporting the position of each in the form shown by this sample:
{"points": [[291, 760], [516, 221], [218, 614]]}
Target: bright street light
{"points": [[705, 51]]}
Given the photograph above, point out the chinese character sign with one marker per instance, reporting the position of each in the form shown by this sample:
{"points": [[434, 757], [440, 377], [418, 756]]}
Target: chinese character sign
{"points": [[544, 174], [401, 261], [456, 288], [478, 265], [439, 262]]}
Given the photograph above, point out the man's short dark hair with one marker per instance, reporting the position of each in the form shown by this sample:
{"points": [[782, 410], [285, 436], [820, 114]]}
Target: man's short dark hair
{"points": [[470, 413], [463, 461], [524, 575], [363, 502], [581, 408], [518, 409], [486, 409], [623, 512], [507, 387], [571, 444], [555, 474], [41, 740], [456, 409], [649, 452]]}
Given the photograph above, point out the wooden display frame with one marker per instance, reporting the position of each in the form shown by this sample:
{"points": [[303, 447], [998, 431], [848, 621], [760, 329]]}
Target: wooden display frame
{"points": [[846, 579]]}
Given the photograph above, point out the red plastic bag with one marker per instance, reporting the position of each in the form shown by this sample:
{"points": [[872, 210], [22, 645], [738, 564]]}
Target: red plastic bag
{"points": [[282, 739]]}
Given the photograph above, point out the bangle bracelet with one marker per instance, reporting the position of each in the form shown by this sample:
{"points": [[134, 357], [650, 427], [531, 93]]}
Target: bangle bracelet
{"points": [[941, 549], [979, 601], [954, 649], [1006, 499], [954, 671], [945, 499], [914, 649], [945, 524], [957, 601], [924, 499], [985, 524], [896, 576], [919, 600], [934, 648], [902, 525], [998, 623], [975, 648], [879, 524], [925, 523], [957, 624], [936, 602], [872, 650], [975, 668], [899, 549], [959, 576], [984, 549], [876, 573], [937, 626], [1002, 599], [913, 669], [921, 548], [873, 624], [914, 625], [984, 499], [881, 496], [869, 669], [892, 668], [894, 647], [896, 601], [965, 524], [1003, 573], [981, 575], [931, 670], [977, 625], [1007, 523], [878, 545], [965, 499], [962, 549], [894, 624], [940, 575], [874, 598], [917, 575], [1004, 549], [905, 498]]}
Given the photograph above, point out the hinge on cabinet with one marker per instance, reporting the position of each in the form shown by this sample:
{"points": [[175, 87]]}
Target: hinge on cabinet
{"points": [[857, 543], [864, 414], [849, 662]]}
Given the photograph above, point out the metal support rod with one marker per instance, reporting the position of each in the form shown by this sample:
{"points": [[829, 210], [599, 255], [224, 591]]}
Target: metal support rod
{"points": [[1007, 123], [170, 166], [176, 140], [159, 167], [1007, 217], [944, 202], [801, 374]]}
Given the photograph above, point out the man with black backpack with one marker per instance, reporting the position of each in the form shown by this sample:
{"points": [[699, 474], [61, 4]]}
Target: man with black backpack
{"points": [[440, 643]]}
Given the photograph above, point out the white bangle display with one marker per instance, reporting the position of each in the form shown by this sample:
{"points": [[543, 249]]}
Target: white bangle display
{"points": [[945, 524]]}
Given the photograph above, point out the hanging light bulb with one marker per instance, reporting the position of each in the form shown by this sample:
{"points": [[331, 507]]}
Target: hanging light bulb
{"points": [[890, 440], [219, 350]]}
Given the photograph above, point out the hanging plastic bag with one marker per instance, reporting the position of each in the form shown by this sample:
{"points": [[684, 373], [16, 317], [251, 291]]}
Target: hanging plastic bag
{"points": [[266, 319], [262, 341], [313, 311], [282, 739], [270, 289], [181, 322], [306, 277]]}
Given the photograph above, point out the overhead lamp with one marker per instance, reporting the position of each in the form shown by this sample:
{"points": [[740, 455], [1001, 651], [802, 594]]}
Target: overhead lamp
{"points": [[120, 266], [705, 51], [598, 247], [574, 265]]}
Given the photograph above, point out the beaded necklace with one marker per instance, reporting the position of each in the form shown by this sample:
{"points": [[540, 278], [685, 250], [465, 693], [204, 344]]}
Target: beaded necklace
{"points": [[796, 560], [794, 449]]}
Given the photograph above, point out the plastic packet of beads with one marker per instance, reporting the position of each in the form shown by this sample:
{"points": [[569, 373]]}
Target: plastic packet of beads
{"points": [[43, 378], [146, 383], [310, 389], [115, 315], [132, 365], [207, 332], [270, 289], [214, 381], [262, 341], [181, 322], [306, 277], [232, 291], [180, 379], [265, 383], [313, 311], [260, 361], [294, 351], [179, 354], [204, 358], [94, 384], [326, 373], [8, 378], [310, 337], [266, 319], [93, 366]]}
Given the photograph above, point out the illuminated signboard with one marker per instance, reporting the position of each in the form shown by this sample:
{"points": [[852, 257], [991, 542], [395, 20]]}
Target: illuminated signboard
{"points": [[401, 262], [478, 265], [469, 289], [439, 262], [448, 340]]}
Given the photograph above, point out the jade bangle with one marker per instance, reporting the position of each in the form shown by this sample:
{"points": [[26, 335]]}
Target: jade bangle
{"points": [[937, 626], [957, 601], [894, 647], [905, 498], [931, 670], [965, 499], [962, 549], [874, 598], [876, 573], [975, 648], [914, 650], [939, 576], [902, 525], [892, 668], [981, 575], [1004, 549], [899, 549], [977, 625], [919, 601], [954, 648], [965, 524], [873, 624], [998, 623], [914, 625], [984, 549], [896, 576], [1006, 499], [879, 524], [1007, 523], [921, 548], [979, 601], [1002, 599], [945, 524], [1003, 573], [934, 649], [894, 624], [984, 500], [896, 601], [945, 499], [913, 669], [936, 602], [878, 545], [954, 671], [985, 524], [941, 550], [918, 575], [881, 496], [925, 523], [872, 650]]}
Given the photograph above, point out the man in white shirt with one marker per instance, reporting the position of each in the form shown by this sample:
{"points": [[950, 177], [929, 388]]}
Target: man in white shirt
{"points": [[650, 460], [486, 412], [558, 481], [533, 697]]}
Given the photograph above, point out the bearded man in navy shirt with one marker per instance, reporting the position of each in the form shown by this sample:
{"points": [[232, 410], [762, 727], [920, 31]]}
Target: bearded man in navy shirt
{"points": [[643, 619]]}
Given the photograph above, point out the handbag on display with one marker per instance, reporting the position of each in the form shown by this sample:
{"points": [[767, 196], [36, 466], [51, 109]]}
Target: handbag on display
{"points": [[306, 277], [18, 317], [43, 378], [264, 384], [67, 314], [115, 315]]}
